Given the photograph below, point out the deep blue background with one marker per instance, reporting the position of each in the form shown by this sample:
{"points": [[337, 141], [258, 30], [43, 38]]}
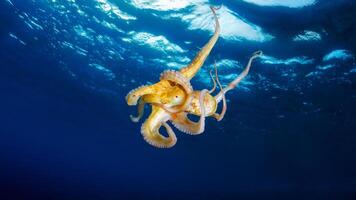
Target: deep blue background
{"points": [[63, 139]]}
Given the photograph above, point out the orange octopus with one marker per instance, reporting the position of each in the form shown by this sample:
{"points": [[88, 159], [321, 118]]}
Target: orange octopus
{"points": [[173, 98]]}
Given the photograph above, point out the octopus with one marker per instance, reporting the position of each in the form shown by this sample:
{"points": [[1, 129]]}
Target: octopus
{"points": [[173, 98]]}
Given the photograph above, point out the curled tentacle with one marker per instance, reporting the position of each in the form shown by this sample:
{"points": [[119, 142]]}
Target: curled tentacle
{"points": [[150, 129], [177, 77], [190, 70], [182, 123], [235, 82], [220, 116], [140, 111]]}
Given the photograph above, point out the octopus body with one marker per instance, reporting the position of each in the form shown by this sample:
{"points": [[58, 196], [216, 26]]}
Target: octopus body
{"points": [[173, 99]]}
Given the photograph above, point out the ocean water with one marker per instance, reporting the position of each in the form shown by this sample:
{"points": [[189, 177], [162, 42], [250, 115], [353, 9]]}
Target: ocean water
{"points": [[67, 65]]}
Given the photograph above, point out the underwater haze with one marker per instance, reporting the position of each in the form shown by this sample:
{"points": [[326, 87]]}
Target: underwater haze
{"points": [[67, 65]]}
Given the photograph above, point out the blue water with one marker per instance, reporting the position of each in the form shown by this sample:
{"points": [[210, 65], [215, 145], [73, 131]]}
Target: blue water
{"points": [[66, 66]]}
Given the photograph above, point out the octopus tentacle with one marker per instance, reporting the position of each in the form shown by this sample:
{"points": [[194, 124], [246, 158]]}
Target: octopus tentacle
{"points": [[134, 95], [184, 124], [150, 129], [235, 82], [177, 77], [220, 116], [212, 78], [140, 111], [190, 70]]}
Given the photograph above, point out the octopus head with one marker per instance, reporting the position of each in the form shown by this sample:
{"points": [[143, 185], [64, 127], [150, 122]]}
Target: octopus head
{"points": [[169, 98], [175, 97]]}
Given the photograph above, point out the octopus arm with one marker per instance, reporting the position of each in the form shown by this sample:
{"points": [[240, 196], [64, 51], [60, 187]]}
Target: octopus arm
{"points": [[182, 123], [150, 129], [140, 111], [213, 80], [220, 116], [235, 82], [177, 77], [190, 70]]}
